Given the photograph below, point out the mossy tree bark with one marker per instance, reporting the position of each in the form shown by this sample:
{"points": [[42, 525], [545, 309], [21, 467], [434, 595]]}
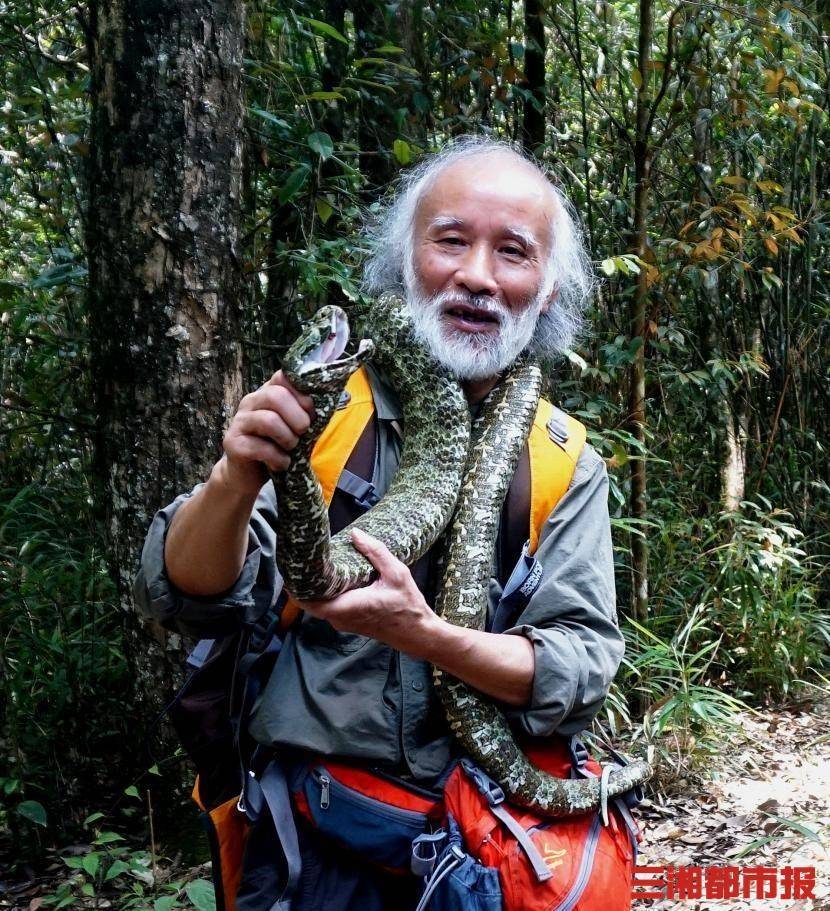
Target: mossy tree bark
{"points": [[164, 201]]}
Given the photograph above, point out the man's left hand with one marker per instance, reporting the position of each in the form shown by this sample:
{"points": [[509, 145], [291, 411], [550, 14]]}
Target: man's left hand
{"points": [[390, 609]]}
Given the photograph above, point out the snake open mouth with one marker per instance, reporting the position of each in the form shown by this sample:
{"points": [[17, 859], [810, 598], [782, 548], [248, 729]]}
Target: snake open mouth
{"points": [[329, 352]]}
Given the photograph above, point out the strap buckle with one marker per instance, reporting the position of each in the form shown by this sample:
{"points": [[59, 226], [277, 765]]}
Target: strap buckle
{"points": [[579, 753], [488, 788], [360, 490], [557, 427], [425, 850]]}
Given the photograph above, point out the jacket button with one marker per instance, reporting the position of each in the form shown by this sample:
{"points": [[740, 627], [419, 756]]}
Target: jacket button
{"points": [[417, 686]]}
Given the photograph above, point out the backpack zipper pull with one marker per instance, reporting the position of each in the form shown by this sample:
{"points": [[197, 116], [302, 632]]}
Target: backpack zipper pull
{"points": [[325, 781]]}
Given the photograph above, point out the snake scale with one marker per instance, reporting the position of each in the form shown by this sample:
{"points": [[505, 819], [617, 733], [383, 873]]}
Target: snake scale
{"points": [[452, 479]]}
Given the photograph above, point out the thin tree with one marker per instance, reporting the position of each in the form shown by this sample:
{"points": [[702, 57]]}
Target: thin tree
{"points": [[533, 115]]}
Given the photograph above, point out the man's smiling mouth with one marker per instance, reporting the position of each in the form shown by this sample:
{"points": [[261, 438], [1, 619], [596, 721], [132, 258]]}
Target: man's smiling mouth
{"points": [[472, 317]]}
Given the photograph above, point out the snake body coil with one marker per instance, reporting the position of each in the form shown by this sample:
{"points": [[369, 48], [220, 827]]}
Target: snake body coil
{"points": [[447, 471], [422, 495]]}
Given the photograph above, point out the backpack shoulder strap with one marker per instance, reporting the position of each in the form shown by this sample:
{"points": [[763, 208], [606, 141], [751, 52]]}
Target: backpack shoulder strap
{"points": [[554, 444], [332, 451], [336, 442]]}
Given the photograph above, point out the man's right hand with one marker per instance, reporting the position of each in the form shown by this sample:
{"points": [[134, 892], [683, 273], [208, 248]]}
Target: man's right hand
{"points": [[206, 543], [266, 427]]}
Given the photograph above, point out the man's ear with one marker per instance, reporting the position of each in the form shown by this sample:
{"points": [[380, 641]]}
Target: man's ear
{"points": [[550, 301]]}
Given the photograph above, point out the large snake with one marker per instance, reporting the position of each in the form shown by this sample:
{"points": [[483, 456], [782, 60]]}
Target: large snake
{"points": [[448, 471]]}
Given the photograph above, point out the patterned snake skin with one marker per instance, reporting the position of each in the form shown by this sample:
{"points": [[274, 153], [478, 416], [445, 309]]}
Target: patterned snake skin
{"points": [[448, 470]]}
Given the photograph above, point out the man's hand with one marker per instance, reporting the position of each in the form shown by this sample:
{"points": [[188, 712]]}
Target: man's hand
{"points": [[205, 547], [393, 610], [390, 609], [266, 427]]}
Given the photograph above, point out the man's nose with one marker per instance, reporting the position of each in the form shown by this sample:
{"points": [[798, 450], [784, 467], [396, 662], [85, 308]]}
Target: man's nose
{"points": [[475, 271]]}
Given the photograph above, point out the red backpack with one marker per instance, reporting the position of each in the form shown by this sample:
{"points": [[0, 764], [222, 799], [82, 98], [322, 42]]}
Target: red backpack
{"points": [[473, 849]]}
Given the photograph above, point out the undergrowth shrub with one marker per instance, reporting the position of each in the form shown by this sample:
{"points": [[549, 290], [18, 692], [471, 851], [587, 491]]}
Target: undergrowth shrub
{"points": [[65, 695], [763, 599]]}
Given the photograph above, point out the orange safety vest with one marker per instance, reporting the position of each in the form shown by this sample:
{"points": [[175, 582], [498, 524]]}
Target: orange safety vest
{"points": [[554, 444]]}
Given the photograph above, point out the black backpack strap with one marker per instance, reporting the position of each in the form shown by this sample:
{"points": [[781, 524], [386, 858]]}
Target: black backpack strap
{"points": [[354, 492], [360, 490], [270, 812]]}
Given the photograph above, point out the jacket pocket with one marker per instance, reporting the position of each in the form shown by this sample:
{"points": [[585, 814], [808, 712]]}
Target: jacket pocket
{"points": [[375, 830], [316, 633]]}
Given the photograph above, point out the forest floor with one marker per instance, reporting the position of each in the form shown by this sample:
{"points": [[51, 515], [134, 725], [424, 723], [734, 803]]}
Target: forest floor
{"points": [[761, 800]]}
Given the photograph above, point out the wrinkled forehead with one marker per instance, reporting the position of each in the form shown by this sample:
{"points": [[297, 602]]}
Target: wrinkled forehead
{"points": [[497, 192]]}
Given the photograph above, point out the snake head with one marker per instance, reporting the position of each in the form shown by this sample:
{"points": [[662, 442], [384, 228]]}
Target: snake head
{"points": [[316, 360]]}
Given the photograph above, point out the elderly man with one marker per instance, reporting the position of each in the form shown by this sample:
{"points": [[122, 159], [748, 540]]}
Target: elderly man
{"points": [[490, 262]]}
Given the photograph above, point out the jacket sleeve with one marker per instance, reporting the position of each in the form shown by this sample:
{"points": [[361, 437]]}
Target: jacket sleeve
{"points": [[257, 588], [571, 618]]}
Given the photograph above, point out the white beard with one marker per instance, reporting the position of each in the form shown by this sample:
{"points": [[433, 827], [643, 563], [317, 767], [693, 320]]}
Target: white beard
{"points": [[471, 355]]}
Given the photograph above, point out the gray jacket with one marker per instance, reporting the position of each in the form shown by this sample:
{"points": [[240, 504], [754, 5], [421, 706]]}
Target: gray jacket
{"points": [[345, 695]]}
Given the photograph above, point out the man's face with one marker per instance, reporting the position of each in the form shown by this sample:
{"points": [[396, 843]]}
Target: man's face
{"points": [[481, 243]]}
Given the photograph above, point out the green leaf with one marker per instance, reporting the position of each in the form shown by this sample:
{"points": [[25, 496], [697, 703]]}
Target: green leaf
{"points": [[165, 903], [58, 275], [107, 838], [294, 183], [117, 868], [324, 208], [201, 894], [637, 78], [796, 826], [131, 791], [620, 454], [401, 151], [321, 144], [91, 862], [324, 29], [627, 264], [93, 818], [272, 118], [33, 811], [608, 266], [324, 96]]}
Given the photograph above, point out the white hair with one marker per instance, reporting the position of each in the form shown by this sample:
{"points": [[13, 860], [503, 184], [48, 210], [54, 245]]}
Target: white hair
{"points": [[389, 234]]}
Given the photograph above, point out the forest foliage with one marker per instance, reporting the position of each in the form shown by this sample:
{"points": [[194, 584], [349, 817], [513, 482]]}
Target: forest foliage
{"points": [[692, 141]]}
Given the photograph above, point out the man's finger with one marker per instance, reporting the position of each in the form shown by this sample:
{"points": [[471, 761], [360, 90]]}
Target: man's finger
{"points": [[280, 379], [331, 608], [379, 555]]}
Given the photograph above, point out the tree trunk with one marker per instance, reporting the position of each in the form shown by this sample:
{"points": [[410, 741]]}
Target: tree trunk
{"points": [[334, 69], [731, 465], [164, 191], [533, 116], [637, 376], [376, 130]]}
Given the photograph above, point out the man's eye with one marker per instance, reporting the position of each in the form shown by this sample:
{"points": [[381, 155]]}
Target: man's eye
{"points": [[513, 251], [455, 241]]}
